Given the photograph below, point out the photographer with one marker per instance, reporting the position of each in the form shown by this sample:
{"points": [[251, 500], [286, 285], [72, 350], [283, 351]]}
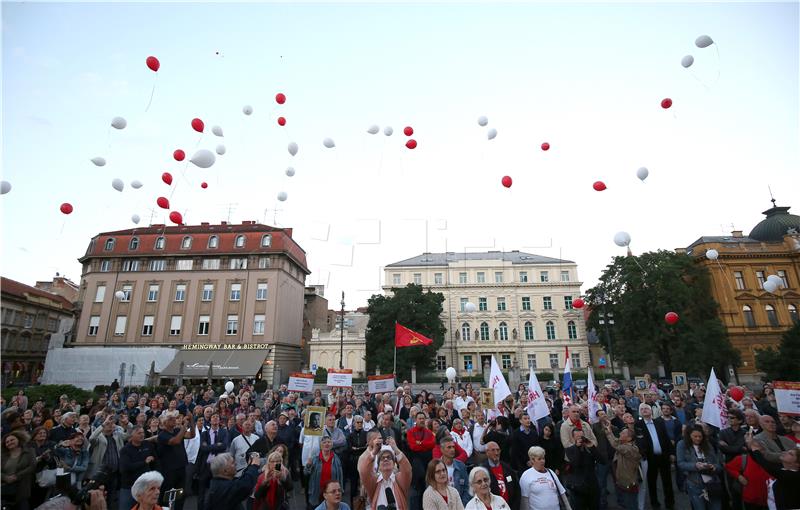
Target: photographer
{"points": [[226, 491], [172, 454], [105, 444], [273, 485], [581, 479], [136, 457], [390, 486]]}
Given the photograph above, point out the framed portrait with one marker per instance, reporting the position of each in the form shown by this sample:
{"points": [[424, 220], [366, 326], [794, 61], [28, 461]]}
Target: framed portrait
{"points": [[680, 381], [641, 385], [487, 398], [314, 421]]}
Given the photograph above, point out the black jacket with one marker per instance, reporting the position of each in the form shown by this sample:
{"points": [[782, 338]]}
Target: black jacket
{"points": [[231, 493], [643, 439], [221, 445], [132, 464], [580, 472], [520, 444], [512, 487], [735, 442]]}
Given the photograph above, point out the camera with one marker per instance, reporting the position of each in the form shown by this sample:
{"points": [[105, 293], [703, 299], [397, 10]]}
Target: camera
{"points": [[82, 497], [278, 466], [254, 455]]}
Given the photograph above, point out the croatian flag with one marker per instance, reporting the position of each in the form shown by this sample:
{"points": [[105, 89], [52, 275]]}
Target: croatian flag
{"points": [[566, 388]]}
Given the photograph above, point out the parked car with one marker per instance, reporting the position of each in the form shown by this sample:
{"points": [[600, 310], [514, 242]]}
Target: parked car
{"points": [[580, 384]]}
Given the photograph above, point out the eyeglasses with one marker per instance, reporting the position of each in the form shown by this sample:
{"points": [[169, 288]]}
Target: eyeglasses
{"points": [[482, 481], [334, 491]]}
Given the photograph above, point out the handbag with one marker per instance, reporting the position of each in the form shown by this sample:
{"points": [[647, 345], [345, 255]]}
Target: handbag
{"points": [[46, 478], [714, 487], [563, 500]]}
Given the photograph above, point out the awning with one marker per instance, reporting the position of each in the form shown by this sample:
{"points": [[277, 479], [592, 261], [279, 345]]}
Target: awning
{"points": [[227, 363]]}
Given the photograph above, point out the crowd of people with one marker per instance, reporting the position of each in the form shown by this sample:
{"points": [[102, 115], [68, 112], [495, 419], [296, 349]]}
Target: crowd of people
{"points": [[404, 450]]}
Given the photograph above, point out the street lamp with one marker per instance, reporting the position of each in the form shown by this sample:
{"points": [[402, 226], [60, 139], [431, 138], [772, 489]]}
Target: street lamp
{"points": [[341, 338], [602, 322]]}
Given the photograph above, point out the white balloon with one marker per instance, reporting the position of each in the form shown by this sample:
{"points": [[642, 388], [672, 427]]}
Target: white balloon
{"points": [[469, 307], [220, 149], [119, 295], [217, 130], [703, 41], [712, 254], [229, 386], [292, 148], [491, 133], [136, 219], [203, 158], [622, 239], [388, 131], [328, 142], [117, 184], [687, 61], [642, 173], [5, 187], [771, 286], [482, 120], [99, 161], [373, 129], [775, 278], [282, 196], [290, 172], [247, 109], [118, 123], [135, 184], [451, 374]]}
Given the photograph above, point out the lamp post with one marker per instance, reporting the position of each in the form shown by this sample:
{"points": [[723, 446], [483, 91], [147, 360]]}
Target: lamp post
{"points": [[602, 321], [341, 337]]}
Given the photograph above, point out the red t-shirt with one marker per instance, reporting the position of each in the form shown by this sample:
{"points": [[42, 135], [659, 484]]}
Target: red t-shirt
{"points": [[497, 472], [327, 468]]}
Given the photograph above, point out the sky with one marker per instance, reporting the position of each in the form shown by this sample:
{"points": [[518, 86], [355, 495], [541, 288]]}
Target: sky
{"points": [[587, 78]]}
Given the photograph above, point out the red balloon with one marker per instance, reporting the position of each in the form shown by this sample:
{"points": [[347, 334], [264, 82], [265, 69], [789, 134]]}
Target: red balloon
{"points": [[204, 185], [599, 186], [163, 202], [166, 177], [153, 63], [176, 218], [506, 181], [545, 146], [736, 393], [666, 103], [66, 208], [281, 121], [578, 303], [671, 318], [408, 130], [280, 98], [411, 144], [178, 155], [198, 125]]}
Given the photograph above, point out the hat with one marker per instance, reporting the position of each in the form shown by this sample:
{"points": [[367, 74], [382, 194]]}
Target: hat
{"points": [[387, 409], [283, 413]]}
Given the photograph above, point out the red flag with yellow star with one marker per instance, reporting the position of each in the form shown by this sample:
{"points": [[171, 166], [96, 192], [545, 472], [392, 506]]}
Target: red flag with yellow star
{"points": [[404, 337]]}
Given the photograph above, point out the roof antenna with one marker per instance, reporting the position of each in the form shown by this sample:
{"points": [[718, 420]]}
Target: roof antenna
{"points": [[772, 199]]}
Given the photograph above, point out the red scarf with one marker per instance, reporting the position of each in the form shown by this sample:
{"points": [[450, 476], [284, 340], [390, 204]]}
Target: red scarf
{"points": [[577, 424]]}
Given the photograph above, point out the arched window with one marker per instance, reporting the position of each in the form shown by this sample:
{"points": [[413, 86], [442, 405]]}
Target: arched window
{"points": [[465, 332], [551, 330], [484, 331], [239, 243], [266, 241], [772, 317], [213, 242], [186, 243], [160, 241], [793, 313], [529, 330], [572, 331], [109, 244], [503, 331], [749, 320], [134, 244]]}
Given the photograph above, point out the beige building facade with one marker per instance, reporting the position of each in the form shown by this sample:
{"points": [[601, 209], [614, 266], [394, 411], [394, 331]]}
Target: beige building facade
{"points": [[326, 347]]}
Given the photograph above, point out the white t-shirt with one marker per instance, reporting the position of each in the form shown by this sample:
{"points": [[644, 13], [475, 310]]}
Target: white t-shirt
{"points": [[540, 489]]}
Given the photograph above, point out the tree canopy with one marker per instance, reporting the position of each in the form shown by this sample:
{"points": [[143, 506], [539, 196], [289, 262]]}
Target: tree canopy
{"points": [[414, 309], [782, 364], [639, 291]]}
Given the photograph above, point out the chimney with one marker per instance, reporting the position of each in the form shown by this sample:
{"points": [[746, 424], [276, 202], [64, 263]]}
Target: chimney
{"points": [[204, 224], [737, 233], [223, 223]]}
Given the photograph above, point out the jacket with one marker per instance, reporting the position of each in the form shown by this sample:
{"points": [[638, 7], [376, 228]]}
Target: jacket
{"points": [[224, 493], [314, 473], [98, 443], [626, 462], [74, 462], [786, 483], [464, 440], [132, 462], [283, 490], [520, 444], [432, 500], [566, 433], [512, 485], [772, 452], [369, 479], [498, 503], [643, 436], [460, 480], [220, 445], [755, 492], [581, 467], [26, 465], [687, 460], [734, 442]]}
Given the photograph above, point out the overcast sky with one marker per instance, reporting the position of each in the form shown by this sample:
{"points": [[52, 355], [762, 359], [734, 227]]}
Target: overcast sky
{"points": [[586, 78]]}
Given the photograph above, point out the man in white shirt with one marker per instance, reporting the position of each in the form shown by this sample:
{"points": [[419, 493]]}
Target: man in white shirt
{"points": [[462, 400], [478, 448], [192, 447], [241, 444]]}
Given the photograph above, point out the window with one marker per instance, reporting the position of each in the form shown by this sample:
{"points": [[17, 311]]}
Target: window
{"points": [[266, 241], [462, 277], [184, 264], [208, 291], [737, 275], [498, 277], [105, 266], [483, 304], [529, 330], [213, 242], [531, 362], [100, 294], [127, 290], [547, 303], [572, 330], [544, 276], [263, 262], [261, 291], [147, 325], [505, 359], [568, 303], [160, 241], [523, 277], [203, 325], [210, 263], [437, 278], [526, 303], [793, 313], [749, 320], [233, 325], [119, 327], [503, 331], [175, 325], [761, 279], [109, 246], [782, 275], [130, 265], [158, 265], [180, 292], [441, 363], [576, 360], [152, 293], [484, 331], [465, 332], [236, 292], [501, 304], [238, 263], [133, 244], [554, 361], [463, 304], [239, 243], [258, 325], [481, 277], [396, 280], [94, 325], [772, 317], [468, 362], [417, 278], [564, 276], [551, 330]]}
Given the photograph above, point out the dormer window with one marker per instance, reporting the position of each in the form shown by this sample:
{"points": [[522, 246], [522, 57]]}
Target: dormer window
{"points": [[109, 246], [186, 243], [160, 243], [239, 243], [213, 242], [266, 241], [134, 244]]}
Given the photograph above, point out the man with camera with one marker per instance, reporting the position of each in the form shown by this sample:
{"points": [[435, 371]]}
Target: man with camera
{"points": [[242, 444], [135, 458], [172, 454], [388, 488], [226, 490], [105, 445]]}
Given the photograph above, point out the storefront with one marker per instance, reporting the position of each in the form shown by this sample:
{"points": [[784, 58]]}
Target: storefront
{"points": [[200, 362]]}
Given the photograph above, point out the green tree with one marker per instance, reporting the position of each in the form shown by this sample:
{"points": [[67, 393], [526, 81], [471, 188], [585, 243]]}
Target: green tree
{"points": [[414, 309], [639, 291], [781, 364]]}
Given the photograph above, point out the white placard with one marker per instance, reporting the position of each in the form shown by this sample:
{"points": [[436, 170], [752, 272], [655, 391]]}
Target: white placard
{"points": [[787, 396], [301, 382], [340, 378], [381, 383]]}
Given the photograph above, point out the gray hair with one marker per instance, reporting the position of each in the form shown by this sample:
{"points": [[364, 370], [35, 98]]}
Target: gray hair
{"points": [[219, 463], [144, 482], [536, 452], [67, 415], [472, 474]]}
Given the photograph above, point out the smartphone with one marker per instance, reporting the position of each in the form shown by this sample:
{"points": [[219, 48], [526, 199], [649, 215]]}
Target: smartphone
{"points": [[278, 466]]}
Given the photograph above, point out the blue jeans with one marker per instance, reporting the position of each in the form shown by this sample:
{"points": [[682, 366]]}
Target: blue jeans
{"points": [[698, 501], [602, 470], [126, 500], [628, 500]]}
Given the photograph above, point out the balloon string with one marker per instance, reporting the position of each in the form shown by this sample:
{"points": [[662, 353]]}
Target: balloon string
{"points": [[719, 63], [151, 93]]}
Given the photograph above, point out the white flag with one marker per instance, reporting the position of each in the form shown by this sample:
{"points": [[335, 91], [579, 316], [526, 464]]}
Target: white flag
{"points": [[498, 382], [714, 404], [593, 407], [537, 406]]}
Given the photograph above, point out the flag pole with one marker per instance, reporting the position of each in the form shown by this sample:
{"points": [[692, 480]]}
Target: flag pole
{"points": [[394, 367]]}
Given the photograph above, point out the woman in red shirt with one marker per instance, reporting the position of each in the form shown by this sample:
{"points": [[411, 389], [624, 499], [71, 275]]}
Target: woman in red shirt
{"points": [[273, 485], [751, 477]]}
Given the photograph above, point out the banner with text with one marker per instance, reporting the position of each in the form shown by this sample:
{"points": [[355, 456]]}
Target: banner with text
{"points": [[301, 382], [340, 378], [787, 396], [381, 383]]}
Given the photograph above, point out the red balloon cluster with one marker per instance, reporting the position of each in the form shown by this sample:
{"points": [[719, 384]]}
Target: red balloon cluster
{"points": [[198, 125], [153, 63], [736, 393], [176, 218], [204, 185], [599, 186], [179, 155], [578, 303], [280, 98], [666, 103], [167, 178], [411, 144], [545, 146], [671, 318], [162, 202], [506, 181], [281, 121], [66, 208]]}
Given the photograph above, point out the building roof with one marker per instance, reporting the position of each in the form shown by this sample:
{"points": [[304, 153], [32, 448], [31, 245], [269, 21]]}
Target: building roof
{"points": [[443, 259], [778, 222], [722, 240], [22, 291]]}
